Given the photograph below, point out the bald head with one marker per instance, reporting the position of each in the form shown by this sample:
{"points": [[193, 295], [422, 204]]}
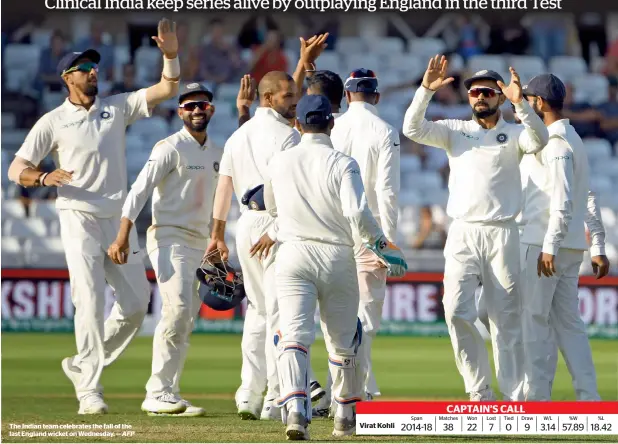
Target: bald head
{"points": [[277, 90]]}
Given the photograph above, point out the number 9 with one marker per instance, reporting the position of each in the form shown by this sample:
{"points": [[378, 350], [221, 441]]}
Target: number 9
{"points": [[527, 427]]}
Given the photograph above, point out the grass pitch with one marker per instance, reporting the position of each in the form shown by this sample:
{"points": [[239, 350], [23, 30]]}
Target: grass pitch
{"points": [[35, 390]]}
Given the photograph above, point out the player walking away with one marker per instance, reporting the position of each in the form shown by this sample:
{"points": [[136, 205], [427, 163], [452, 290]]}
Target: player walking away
{"points": [[86, 136], [243, 166], [553, 242], [318, 197], [181, 175], [483, 241]]}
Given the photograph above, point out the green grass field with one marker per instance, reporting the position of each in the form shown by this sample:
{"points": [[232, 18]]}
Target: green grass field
{"points": [[35, 390]]}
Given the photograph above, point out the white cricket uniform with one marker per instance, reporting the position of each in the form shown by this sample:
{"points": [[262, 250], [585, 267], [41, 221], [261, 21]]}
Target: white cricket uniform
{"points": [[483, 241], [245, 158], [320, 205], [361, 134], [557, 207], [181, 175], [91, 143]]}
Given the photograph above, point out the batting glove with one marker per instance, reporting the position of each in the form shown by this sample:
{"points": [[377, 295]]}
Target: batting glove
{"points": [[391, 256]]}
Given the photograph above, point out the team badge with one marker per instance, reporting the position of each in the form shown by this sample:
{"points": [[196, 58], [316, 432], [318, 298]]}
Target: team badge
{"points": [[254, 206], [481, 73], [193, 85], [105, 115], [501, 138], [216, 166]]}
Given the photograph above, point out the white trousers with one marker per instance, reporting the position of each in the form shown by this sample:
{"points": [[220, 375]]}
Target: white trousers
{"points": [[487, 254], [175, 268], [306, 273], [259, 367], [552, 303], [100, 341]]}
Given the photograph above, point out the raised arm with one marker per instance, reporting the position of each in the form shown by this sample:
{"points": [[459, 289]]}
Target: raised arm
{"points": [[415, 126], [388, 183], [310, 50], [167, 88], [246, 96]]}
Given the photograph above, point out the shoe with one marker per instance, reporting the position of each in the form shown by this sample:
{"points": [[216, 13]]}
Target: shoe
{"points": [[344, 426], [317, 392], [486, 394], [322, 409], [72, 372], [296, 429], [191, 411], [270, 411], [248, 410], [92, 404], [165, 403], [368, 396]]}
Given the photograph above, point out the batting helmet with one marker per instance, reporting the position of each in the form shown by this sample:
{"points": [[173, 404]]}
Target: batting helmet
{"points": [[222, 287]]}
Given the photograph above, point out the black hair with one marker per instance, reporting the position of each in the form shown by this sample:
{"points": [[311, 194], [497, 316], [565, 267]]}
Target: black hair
{"points": [[315, 127], [328, 84], [555, 105]]}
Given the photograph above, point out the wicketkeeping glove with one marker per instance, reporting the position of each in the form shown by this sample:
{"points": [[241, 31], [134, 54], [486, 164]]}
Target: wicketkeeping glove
{"points": [[391, 256]]}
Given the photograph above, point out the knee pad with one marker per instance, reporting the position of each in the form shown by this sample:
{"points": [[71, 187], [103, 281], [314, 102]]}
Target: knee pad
{"points": [[347, 379], [292, 364]]}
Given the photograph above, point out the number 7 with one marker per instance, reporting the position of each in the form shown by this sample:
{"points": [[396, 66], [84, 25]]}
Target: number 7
{"points": [[491, 426]]}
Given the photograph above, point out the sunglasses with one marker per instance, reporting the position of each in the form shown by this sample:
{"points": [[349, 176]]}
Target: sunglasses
{"points": [[190, 106], [487, 92], [83, 67]]}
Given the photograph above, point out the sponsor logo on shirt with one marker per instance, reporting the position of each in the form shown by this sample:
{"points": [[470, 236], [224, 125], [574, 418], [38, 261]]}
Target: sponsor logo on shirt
{"points": [[68, 125], [468, 136], [195, 167], [562, 158]]}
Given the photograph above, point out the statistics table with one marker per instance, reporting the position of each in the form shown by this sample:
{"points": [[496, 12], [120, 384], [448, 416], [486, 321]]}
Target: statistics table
{"points": [[487, 418]]}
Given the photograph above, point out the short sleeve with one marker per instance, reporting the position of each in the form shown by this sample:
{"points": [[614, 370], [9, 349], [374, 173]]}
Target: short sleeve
{"points": [[39, 142], [225, 168], [133, 104]]}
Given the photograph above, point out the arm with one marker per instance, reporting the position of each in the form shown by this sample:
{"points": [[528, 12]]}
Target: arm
{"points": [[167, 88], [559, 161], [595, 226], [418, 129], [534, 136], [388, 183], [246, 96], [310, 50]]}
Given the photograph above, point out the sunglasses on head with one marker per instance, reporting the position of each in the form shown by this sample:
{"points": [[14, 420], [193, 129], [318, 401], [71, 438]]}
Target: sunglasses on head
{"points": [[83, 67], [190, 106], [487, 92]]}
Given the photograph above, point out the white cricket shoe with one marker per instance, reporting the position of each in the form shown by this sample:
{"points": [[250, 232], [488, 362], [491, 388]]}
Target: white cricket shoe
{"points": [[165, 403], [297, 427], [270, 411], [317, 392], [250, 409], [92, 404], [322, 409], [191, 411], [486, 394], [72, 372]]}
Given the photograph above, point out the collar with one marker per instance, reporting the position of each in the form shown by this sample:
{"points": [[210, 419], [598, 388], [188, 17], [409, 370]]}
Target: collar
{"points": [[499, 123], [184, 133], [558, 127], [271, 113], [335, 115], [318, 138], [364, 105], [75, 108]]}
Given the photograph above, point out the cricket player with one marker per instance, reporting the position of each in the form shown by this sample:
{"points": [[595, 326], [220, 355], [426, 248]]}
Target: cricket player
{"points": [[553, 243], [181, 175], [319, 200], [243, 166], [483, 240], [86, 137]]}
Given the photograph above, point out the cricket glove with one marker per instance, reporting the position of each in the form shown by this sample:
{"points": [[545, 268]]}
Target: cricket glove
{"points": [[391, 256]]}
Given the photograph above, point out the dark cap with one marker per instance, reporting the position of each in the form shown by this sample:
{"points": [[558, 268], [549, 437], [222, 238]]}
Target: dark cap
{"points": [[362, 80], [313, 110], [194, 88], [69, 60], [613, 81], [546, 86], [486, 74]]}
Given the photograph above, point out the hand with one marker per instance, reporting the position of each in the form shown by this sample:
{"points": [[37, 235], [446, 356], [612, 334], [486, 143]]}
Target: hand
{"points": [[118, 251], [311, 49], [600, 265], [435, 76], [545, 265], [512, 92], [246, 92], [58, 178], [218, 244], [262, 247], [391, 256], [167, 40]]}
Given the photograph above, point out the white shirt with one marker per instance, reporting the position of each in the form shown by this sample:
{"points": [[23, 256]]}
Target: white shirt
{"points": [[248, 151], [484, 182], [361, 134], [319, 196], [182, 177], [558, 200], [91, 143]]}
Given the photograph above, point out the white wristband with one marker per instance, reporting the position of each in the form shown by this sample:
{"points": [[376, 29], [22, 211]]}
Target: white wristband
{"points": [[171, 68]]}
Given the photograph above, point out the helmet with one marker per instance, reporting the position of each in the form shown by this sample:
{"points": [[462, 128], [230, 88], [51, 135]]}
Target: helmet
{"points": [[221, 286]]}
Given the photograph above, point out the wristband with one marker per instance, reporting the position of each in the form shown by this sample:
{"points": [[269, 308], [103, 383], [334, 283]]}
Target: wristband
{"points": [[171, 69], [42, 179]]}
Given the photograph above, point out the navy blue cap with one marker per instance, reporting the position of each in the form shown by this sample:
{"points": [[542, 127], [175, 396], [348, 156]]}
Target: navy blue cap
{"points": [[546, 86], [69, 60], [362, 80], [254, 198], [194, 88], [313, 110], [486, 74]]}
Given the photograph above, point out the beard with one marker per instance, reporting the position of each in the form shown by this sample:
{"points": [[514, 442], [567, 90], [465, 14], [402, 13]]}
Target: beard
{"points": [[91, 90], [197, 126], [485, 113], [287, 113]]}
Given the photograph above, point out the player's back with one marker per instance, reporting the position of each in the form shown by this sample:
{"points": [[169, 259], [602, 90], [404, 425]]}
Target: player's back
{"points": [[306, 184], [250, 148]]}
